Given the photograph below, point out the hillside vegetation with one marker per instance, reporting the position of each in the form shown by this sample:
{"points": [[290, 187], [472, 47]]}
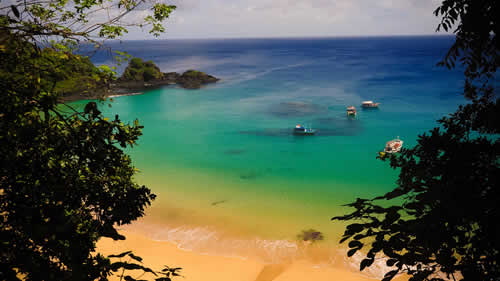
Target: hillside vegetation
{"points": [[139, 70]]}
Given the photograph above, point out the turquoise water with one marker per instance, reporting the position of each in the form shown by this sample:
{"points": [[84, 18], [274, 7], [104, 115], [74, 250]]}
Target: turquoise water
{"points": [[223, 158]]}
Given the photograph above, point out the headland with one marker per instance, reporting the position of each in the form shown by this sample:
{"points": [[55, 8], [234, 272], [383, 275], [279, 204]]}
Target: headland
{"points": [[138, 77]]}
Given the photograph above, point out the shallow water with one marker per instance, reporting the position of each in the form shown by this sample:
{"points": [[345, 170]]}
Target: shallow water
{"points": [[224, 161]]}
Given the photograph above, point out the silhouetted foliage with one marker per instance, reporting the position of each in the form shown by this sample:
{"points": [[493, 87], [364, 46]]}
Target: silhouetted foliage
{"points": [[65, 181], [134, 264], [168, 273], [441, 222]]}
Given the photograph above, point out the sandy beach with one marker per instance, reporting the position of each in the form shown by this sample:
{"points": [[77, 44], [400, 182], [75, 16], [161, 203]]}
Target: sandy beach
{"points": [[200, 267]]}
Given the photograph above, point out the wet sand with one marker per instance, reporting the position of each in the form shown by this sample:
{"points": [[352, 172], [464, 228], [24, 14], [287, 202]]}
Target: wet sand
{"points": [[201, 267]]}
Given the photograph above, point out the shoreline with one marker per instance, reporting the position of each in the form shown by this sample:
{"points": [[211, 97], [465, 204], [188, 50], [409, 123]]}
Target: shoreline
{"points": [[208, 267], [190, 79], [111, 93], [124, 95]]}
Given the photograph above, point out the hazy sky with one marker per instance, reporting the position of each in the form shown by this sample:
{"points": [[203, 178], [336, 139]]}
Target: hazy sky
{"points": [[303, 18]]}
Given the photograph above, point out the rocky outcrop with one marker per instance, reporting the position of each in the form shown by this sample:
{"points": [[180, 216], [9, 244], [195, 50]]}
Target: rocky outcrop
{"points": [[171, 77], [193, 79], [141, 71], [140, 75]]}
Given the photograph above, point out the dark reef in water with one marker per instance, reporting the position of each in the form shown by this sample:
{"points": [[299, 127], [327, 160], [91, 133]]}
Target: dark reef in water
{"points": [[338, 126], [296, 108], [249, 176], [253, 174], [218, 202], [234, 151], [279, 132]]}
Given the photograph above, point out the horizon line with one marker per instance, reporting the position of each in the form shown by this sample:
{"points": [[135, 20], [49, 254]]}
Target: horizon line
{"points": [[293, 37]]}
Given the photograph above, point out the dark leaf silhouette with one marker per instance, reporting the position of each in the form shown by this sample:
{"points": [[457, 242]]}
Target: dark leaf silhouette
{"points": [[389, 275], [15, 11], [365, 263], [120, 255], [441, 219]]}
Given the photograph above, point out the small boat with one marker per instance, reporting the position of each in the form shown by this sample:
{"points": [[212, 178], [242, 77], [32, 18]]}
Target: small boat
{"points": [[369, 104], [303, 131], [351, 111], [393, 146]]}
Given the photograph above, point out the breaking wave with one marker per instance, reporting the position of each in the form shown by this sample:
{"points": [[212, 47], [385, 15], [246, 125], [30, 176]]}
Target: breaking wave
{"points": [[208, 241]]}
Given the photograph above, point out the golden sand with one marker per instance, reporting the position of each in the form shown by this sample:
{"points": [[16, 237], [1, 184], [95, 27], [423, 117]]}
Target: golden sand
{"points": [[200, 267]]}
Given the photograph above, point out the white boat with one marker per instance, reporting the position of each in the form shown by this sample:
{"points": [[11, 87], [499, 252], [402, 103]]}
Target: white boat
{"points": [[301, 130], [393, 146], [369, 104], [351, 111]]}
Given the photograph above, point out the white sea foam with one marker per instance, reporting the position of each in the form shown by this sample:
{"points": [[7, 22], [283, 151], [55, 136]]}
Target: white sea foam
{"points": [[376, 270], [246, 76], [123, 95], [209, 241]]}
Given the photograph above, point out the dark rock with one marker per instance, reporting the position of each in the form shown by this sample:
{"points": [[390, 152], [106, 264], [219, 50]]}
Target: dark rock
{"points": [[218, 202], [171, 77], [249, 175], [296, 109], [310, 235], [140, 75], [193, 79], [235, 151]]}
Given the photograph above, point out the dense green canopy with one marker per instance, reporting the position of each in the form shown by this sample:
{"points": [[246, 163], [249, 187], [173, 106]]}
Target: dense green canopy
{"points": [[65, 181], [139, 70]]}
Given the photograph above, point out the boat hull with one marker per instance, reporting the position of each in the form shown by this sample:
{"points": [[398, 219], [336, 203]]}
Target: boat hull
{"points": [[393, 146], [304, 133]]}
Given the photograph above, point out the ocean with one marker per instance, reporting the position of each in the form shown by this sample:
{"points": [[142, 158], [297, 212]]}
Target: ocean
{"points": [[230, 176]]}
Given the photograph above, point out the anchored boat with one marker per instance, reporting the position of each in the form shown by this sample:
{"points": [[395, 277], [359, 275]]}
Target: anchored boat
{"points": [[392, 146], [351, 111], [369, 104], [301, 130]]}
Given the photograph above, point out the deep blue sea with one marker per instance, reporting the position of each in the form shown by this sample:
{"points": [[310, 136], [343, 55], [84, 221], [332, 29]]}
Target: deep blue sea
{"points": [[230, 174]]}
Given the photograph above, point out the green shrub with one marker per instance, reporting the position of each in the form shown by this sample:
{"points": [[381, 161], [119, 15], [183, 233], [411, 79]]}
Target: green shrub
{"points": [[136, 63], [150, 73], [192, 73], [149, 64]]}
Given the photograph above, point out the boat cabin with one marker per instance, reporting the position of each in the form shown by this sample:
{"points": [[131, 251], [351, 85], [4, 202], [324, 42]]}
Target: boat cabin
{"points": [[301, 130], [393, 146], [369, 104], [351, 110]]}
